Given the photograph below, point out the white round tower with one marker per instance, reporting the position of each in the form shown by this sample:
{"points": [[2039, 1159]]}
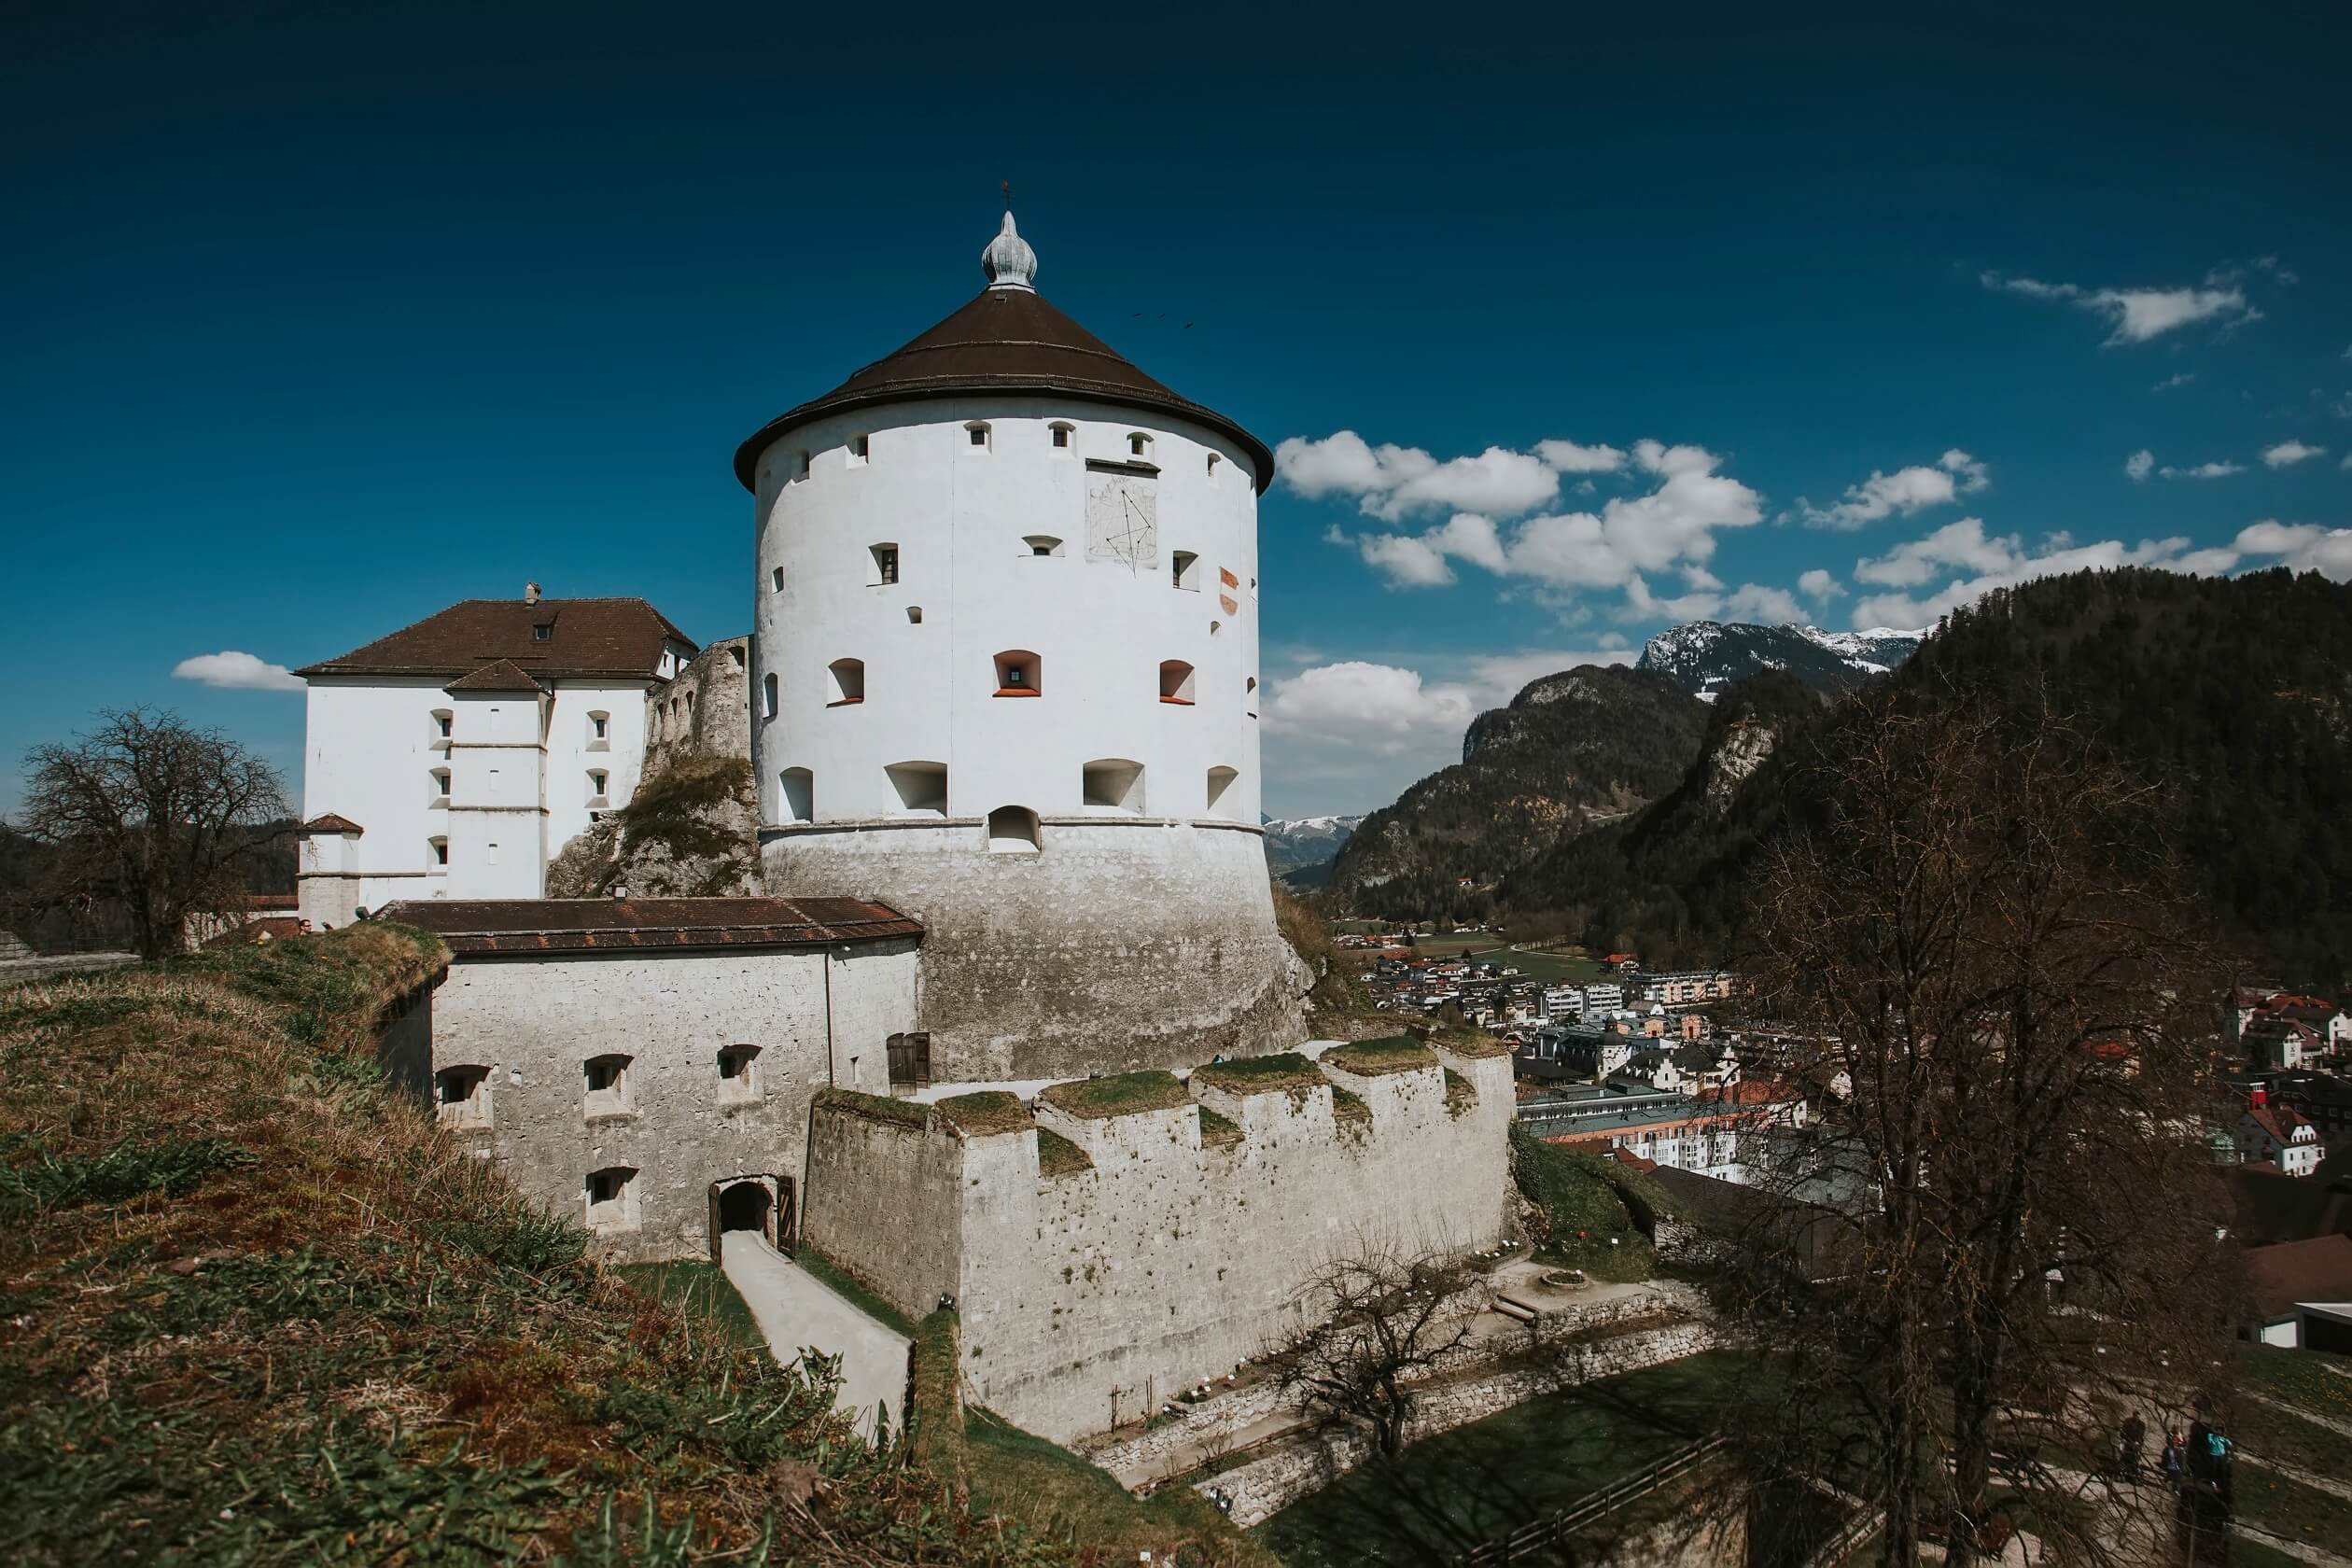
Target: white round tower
{"points": [[1005, 679]]}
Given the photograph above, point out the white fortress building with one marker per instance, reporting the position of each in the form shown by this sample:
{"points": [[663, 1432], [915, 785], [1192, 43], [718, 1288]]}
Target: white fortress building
{"points": [[1006, 680], [1010, 1020], [456, 757]]}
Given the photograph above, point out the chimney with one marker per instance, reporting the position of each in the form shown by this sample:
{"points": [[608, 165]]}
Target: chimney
{"points": [[2258, 1096], [530, 592]]}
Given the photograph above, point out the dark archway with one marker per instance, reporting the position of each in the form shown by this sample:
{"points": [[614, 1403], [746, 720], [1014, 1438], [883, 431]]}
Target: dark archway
{"points": [[746, 1206]]}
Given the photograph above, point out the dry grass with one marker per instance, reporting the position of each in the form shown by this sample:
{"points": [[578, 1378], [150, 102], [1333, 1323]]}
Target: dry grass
{"points": [[984, 1114], [1371, 1058], [1057, 1155], [1121, 1094], [1219, 1131], [1474, 1044], [912, 1113], [1287, 1073], [260, 1310]]}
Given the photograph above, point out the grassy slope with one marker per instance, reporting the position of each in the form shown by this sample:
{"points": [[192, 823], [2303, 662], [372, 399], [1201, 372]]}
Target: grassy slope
{"points": [[259, 1311], [1009, 1473], [702, 1293], [1571, 1187], [1477, 1482]]}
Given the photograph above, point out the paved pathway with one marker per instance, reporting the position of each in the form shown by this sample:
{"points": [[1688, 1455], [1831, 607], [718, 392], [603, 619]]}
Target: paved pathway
{"points": [[793, 1311]]}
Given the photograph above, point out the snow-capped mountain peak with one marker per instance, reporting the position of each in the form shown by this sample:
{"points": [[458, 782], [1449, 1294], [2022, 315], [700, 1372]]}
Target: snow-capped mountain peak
{"points": [[1705, 656]]}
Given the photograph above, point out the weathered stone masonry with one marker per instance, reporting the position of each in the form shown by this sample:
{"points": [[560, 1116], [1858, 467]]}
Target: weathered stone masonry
{"points": [[529, 1018], [1090, 1297]]}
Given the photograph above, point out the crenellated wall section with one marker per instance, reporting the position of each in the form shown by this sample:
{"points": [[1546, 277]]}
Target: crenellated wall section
{"points": [[1117, 1240]]}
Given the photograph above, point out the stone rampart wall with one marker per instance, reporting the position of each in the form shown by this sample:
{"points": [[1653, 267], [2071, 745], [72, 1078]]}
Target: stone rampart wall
{"points": [[1091, 1298]]}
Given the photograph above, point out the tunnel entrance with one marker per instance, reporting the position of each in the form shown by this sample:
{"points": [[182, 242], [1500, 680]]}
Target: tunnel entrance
{"points": [[761, 1205], [746, 1206]]}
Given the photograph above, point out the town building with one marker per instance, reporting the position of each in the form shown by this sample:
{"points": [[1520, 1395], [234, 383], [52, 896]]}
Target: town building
{"points": [[1688, 987], [2277, 1133], [455, 758]]}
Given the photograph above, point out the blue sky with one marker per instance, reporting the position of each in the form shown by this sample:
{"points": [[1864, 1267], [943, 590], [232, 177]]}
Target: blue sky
{"points": [[319, 321]]}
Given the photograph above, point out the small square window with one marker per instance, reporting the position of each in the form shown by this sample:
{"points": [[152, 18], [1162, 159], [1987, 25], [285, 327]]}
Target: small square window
{"points": [[441, 851], [541, 632], [976, 434], [597, 724], [1061, 437], [857, 449], [1138, 445]]}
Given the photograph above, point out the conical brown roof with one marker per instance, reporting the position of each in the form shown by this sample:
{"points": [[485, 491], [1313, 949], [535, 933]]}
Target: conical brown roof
{"points": [[1008, 340]]}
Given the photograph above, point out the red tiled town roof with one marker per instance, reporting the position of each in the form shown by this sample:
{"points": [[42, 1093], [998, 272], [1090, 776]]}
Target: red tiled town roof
{"points": [[330, 822]]}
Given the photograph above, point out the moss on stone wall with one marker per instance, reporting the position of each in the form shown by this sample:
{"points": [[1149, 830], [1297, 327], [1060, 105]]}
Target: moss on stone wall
{"points": [[1461, 1095], [1219, 1131], [1249, 1075], [1348, 1110], [1121, 1094], [985, 1113], [1371, 1058], [875, 1108], [1057, 1155]]}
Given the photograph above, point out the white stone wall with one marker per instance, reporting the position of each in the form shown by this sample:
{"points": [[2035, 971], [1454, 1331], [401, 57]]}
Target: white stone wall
{"points": [[1142, 932], [534, 1022], [1117, 946], [369, 754], [1089, 1299]]}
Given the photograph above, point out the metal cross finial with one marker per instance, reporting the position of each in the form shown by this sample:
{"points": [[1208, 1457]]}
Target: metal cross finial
{"points": [[1007, 187]]}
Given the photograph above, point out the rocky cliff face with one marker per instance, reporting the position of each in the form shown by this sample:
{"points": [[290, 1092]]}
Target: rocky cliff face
{"points": [[1573, 749]]}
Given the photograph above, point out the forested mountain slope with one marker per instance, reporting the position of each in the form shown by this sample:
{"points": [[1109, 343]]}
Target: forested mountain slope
{"points": [[1572, 750], [2233, 695]]}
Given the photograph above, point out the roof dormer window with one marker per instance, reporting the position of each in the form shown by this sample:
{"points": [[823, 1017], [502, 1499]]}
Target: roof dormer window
{"points": [[542, 631]]}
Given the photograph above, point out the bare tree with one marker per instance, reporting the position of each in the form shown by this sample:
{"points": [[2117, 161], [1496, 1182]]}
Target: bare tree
{"points": [[2004, 1242], [1377, 1319], [153, 815]]}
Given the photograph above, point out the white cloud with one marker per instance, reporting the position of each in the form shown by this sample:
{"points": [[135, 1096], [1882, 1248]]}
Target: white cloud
{"points": [[2138, 314], [2204, 470], [2290, 452], [237, 672], [1905, 491], [1391, 483], [1568, 458], [2140, 464], [1670, 529], [1961, 544], [2303, 546], [1819, 585], [1352, 733], [1768, 606], [2182, 379], [2000, 562]]}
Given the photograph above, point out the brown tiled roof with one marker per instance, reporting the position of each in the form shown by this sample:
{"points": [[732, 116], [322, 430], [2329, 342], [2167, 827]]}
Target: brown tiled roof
{"points": [[2319, 1269], [615, 925], [332, 823], [504, 675], [586, 637], [1008, 340]]}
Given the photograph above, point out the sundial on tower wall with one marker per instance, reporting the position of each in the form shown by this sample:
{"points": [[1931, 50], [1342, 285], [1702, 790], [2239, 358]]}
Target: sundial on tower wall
{"points": [[1123, 520]]}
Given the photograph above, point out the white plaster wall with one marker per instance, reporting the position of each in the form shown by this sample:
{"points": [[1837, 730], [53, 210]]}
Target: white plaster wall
{"points": [[958, 517], [369, 755], [534, 1022]]}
